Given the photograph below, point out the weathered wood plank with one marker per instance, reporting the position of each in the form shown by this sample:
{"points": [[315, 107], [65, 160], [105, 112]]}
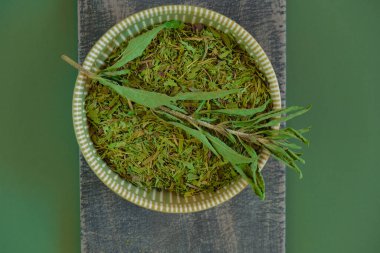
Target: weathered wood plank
{"points": [[244, 224]]}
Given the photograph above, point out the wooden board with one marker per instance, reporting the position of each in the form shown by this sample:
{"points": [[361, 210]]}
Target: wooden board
{"points": [[243, 224]]}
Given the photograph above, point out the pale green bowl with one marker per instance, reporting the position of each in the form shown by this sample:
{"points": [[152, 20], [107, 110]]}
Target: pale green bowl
{"points": [[162, 201]]}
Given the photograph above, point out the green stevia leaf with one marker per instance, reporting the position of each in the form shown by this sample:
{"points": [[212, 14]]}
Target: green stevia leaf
{"points": [[197, 134], [155, 99], [275, 113], [279, 152], [295, 156], [226, 152], [241, 172], [255, 159], [176, 108], [285, 133], [297, 134], [284, 157], [241, 112], [259, 185], [146, 98], [205, 95], [277, 121], [137, 45], [231, 137], [304, 130], [116, 72], [173, 24], [252, 153], [253, 123], [288, 145]]}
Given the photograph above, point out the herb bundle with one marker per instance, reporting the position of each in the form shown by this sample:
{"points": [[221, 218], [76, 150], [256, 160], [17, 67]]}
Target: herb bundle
{"points": [[184, 108]]}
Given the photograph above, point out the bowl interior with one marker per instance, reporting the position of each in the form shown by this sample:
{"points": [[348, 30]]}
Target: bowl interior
{"points": [[163, 201]]}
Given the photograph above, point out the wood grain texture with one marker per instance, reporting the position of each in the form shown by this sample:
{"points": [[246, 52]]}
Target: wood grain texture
{"points": [[243, 224]]}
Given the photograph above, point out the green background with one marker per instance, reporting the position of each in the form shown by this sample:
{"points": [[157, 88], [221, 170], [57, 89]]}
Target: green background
{"points": [[333, 63]]}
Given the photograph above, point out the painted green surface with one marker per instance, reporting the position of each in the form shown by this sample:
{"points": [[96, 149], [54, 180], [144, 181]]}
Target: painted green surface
{"points": [[39, 177], [333, 63]]}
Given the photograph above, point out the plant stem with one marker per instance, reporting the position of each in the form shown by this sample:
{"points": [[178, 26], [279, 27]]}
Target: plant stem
{"points": [[77, 66], [219, 129]]}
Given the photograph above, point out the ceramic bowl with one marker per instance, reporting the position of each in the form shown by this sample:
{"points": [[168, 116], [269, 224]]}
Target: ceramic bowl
{"points": [[163, 201]]}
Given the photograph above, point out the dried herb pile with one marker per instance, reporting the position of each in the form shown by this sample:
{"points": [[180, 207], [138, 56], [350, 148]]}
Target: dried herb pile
{"points": [[184, 108]]}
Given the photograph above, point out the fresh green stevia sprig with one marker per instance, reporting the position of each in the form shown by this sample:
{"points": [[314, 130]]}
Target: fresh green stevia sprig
{"points": [[251, 127], [275, 141]]}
